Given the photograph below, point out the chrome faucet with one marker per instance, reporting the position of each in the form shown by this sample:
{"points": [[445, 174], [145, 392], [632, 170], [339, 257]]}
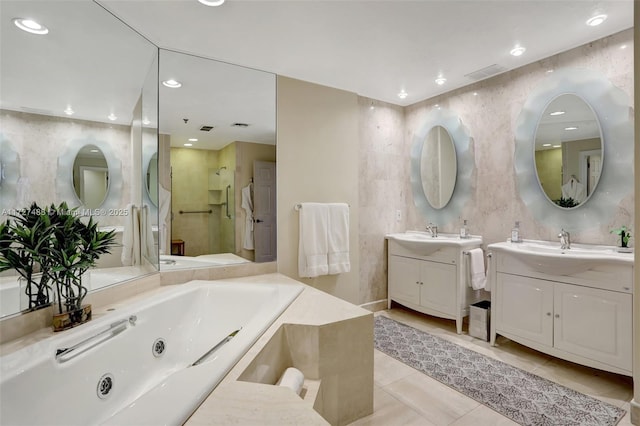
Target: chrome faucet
{"points": [[565, 240], [433, 229]]}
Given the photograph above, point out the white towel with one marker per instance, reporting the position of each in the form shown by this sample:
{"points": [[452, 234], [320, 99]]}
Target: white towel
{"points": [[313, 244], [338, 238], [165, 207], [476, 268], [131, 238], [147, 244], [247, 205]]}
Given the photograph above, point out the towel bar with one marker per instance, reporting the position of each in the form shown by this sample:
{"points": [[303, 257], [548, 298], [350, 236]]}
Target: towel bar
{"points": [[195, 211], [468, 253], [298, 206]]}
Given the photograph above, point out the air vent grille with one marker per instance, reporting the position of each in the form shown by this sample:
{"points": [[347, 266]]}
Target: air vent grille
{"points": [[206, 128], [239, 125], [486, 72]]}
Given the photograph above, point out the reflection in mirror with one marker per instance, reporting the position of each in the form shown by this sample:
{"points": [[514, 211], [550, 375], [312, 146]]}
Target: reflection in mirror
{"points": [[9, 173], [219, 124], [90, 176], [152, 179], [438, 167], [89, 93], [568, 151]]}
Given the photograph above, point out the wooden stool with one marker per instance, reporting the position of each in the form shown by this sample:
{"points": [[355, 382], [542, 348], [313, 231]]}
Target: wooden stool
{"points": [[177, 247]]}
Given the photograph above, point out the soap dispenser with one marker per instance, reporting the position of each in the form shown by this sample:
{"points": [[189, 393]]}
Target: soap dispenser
{"points": [[515, 233], [464, 230]]}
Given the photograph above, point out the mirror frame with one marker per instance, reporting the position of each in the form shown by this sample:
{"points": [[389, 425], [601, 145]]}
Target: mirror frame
{"points": [[64, 174], [465, 166], [613, 112]]}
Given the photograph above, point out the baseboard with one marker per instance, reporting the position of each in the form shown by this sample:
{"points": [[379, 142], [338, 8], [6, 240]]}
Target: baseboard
{"points": [[378, 305], [635, 412]]}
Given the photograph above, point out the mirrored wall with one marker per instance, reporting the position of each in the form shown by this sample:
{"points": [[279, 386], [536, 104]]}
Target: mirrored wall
{"points": [[78, 106], [219, 123]]}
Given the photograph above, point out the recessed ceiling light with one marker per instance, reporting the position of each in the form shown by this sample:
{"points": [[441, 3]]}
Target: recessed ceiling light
{"points": [[556, 113], [95, 150], [188, 144], [546, 144], [624, 46], [596, 20], [69, 111], [211, 2], [171, 83], [193, 140], [549, 71], [517, 51], [475, 93], [571, 128], [557, 146], [30, 26], [112, 117], [402, 94], [146, 121], [440, 81]]}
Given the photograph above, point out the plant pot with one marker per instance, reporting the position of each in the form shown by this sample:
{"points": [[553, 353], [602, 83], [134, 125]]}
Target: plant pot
{"points": [[67, 320]]}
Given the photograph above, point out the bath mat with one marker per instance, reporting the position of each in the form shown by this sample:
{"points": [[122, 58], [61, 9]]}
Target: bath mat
{"points": [[519, 395]]}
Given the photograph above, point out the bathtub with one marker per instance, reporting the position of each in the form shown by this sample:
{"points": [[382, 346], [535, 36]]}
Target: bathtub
{"points": [[149, 363], [173, 262]]}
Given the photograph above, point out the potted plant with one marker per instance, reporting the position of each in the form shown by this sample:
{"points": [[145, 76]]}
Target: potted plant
{"points": [[64, 247], [625, 236], [24, 243]]}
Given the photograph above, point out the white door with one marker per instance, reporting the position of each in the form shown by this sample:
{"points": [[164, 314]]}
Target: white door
{"points": [[264, 211], [438, 290], [404, 279], [594, 324], [524, 307]]}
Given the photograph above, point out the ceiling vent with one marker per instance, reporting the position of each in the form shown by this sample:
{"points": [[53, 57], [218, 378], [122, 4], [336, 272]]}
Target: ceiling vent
{"points": [[206, 128], [485, 72], [239, 125]]}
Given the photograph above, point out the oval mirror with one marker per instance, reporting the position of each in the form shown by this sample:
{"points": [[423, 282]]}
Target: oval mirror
{"points": [[438, 167], [568, 151], [90, 176], [152, 179]]}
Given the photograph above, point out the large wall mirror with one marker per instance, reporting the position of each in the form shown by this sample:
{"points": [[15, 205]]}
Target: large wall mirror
{"points": [[221, 124], [441, 166], [568, 151], [76, 89], [574, 149]]}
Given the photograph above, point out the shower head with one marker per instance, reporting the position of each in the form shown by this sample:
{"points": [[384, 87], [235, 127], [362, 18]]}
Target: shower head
{"points": [[220, 169]]}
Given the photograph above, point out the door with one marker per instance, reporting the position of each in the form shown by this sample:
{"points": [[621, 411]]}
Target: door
{"points": [[264, 211], [439, 288], [524, 308], [404, 279], [594, 324]]}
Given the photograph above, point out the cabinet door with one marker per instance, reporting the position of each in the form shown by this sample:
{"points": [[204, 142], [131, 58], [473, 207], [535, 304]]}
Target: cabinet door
{"points": [[404, 281], [438, 290], [524, 307], [594, 323]]}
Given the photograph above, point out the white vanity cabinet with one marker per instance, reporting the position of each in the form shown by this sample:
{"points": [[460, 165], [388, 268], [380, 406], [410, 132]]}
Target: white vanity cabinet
{"points": [[433, 281], [585, 316]]}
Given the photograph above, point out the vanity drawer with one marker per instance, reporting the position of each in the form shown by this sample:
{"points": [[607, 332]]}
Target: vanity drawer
{"points": [[607, 276]]}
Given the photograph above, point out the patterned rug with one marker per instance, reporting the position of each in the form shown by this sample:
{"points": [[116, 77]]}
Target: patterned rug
{"points": [[521, 396]]}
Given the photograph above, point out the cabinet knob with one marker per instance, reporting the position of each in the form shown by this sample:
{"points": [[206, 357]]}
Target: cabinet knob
{"points": [[626, 288], [548, 314], [557, 315]]}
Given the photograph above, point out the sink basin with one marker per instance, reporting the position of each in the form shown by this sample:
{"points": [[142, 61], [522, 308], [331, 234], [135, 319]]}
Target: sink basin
{"points": [[549, 258], [423, 243]]}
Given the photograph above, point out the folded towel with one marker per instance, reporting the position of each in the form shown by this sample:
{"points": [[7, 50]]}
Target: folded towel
{"points": [[476, 269], [313, 244], [131, 238], [338, 238]]}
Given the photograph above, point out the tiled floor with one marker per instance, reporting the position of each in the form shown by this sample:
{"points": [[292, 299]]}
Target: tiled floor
{"points": [[404, 396]]}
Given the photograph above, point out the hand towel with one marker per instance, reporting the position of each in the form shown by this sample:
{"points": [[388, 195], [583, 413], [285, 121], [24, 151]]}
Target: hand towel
{"points": [[247, 205], [131, 238], [476, 269], [312, 244], [164, 218], [147, 243], [338, 238]]}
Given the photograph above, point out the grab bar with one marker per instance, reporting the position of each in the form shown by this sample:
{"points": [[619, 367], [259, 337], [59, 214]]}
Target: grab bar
{"points": [[227, 203], [195, 211], [65, 354], [216, 347]]}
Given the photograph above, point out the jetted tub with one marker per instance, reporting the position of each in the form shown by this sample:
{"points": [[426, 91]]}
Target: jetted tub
{"points": [[135, 364]]}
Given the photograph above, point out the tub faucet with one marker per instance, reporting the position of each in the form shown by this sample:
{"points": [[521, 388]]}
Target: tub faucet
{"points": [[433, 229], [565, 240]]}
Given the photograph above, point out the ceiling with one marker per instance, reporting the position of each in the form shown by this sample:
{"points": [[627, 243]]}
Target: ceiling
{"points": [[375, 48]]}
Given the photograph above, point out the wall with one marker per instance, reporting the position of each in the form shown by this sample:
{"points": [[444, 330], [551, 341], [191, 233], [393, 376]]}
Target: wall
{"points": [[549, 166], [318, 160]]}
